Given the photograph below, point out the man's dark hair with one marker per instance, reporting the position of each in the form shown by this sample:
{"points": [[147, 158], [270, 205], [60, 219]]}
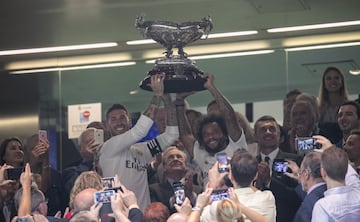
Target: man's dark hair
{"points": [[292, 93], [335, 163], [211, 119], [244, 167], [354, 104], [115, 107], [264, 118]]}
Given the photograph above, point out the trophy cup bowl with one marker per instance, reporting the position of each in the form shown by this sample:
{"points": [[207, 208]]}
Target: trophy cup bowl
{"points": [[181, 73]]}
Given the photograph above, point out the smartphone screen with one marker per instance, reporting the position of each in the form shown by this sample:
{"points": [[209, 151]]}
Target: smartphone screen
{"points": [[221, 194], [116, 189], [223, 162], [14, 173], [179, 193], [103, 196], [108, 182], [304, 144], [42, 135], [280, 166]]}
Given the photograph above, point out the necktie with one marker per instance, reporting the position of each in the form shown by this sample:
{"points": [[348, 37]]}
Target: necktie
{"points": [[267, 159]]}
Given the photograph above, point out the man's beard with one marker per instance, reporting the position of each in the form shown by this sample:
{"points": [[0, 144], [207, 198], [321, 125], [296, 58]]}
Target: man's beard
{"points": [[221, 146]]}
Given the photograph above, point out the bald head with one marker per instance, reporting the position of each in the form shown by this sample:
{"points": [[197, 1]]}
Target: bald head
{"points": [[177, 217], [84, 199]]}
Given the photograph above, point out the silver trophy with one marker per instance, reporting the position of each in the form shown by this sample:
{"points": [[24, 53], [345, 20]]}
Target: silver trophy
{"points": [[181, 74]]}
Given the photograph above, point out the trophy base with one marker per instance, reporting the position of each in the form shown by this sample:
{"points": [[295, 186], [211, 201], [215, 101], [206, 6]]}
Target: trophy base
{"points": [[179, 76]]}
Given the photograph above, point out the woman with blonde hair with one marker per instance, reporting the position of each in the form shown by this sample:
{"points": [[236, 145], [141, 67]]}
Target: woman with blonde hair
{"points": [[228, 211], [87, 179], [332, 94]]}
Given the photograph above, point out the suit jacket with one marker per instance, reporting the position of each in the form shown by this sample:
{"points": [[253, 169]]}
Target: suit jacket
{"points": [[304, 213], [161, 192], [283, 189]]}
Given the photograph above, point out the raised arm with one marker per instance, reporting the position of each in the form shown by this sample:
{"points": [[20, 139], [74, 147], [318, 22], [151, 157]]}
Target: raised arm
{"points": [[185, 133], [226, 110], [170, 110], [157, 85], [25, 200], [171, 133]]}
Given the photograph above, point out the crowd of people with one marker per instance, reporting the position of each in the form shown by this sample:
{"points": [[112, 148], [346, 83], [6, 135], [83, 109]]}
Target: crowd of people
{"points": [[174, 175]]}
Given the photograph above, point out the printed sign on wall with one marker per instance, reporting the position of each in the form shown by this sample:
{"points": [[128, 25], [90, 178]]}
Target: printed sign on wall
{"points": [[80, 115]]}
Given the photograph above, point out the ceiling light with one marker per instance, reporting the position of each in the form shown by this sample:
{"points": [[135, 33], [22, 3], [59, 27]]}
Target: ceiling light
{"points": [[57, 48], [316, 26], [355, 72], [223, 55], [322, 46], [94, 66], [229, 34], [69, 61], [140, 42], [210, 36], [235, 54]]}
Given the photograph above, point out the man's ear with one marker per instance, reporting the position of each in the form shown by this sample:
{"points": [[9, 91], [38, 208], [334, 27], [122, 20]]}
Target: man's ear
{"points": [[323, 173]]}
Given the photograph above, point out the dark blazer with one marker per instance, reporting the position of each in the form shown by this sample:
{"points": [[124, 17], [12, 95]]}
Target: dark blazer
{"points": [[283, 189], [304, 213], [161, 192]]}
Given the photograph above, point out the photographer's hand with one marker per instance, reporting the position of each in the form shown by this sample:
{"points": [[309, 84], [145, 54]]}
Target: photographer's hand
{"points": [[3, 182], [215, 178], [184, 208], [325, 142], [129, 198], [295, 170]]}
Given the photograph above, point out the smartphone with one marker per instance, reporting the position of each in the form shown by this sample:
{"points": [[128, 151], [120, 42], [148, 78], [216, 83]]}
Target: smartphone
{"points": [[223, 162], [103, 196], [116, 189], [221, 194], [99, 136], [14, 173], [179, 192], [42, 135], [280, 166], [305, 144], [108, 182]]}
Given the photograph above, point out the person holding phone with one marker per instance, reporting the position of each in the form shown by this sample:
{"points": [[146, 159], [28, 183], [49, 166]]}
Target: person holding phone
{"points": [[177, 179], [267, 134], [11, 154], [243, 173], [87, 149]]}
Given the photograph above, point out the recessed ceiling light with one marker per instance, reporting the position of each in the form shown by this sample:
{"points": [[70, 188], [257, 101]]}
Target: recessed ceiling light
{"points": [[51, 69], [326, 46], [355, 72], [315, 26], [57, 48], [210, 36]]}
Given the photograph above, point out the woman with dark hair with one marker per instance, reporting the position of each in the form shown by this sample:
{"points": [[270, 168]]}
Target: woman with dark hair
{"points": [[12, 152]]}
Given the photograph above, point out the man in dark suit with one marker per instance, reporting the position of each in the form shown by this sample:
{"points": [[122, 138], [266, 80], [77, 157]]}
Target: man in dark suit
{"points": [[175, 170], [267, 135], [311, 182]]}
